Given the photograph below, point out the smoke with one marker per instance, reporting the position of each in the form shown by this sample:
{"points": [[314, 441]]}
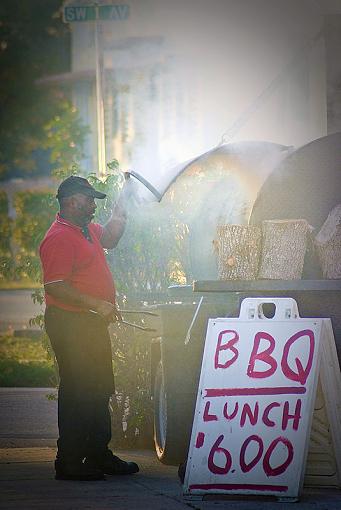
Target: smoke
{"points": [[195, 66], [217, 189]]}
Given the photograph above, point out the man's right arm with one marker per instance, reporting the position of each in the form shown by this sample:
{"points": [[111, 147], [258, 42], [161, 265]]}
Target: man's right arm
{"points": [[64, 292]]}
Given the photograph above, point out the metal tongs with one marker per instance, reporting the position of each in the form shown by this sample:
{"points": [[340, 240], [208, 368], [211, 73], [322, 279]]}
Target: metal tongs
{"points": [[137, 326], [132, 324]]}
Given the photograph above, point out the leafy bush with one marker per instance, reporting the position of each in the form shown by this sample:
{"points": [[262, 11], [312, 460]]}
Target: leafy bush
{"points": [[5, 235], [132, 409], [32, 374], [34, 214], [24, 363], [6, 258], [3, 203]]}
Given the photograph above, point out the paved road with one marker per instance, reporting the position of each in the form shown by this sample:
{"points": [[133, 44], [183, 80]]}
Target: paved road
{"points": [[28, 417], [16, 309], [27, 438]]}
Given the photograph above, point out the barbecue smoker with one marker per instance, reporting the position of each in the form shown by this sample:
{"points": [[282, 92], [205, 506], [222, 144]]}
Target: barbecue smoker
{"points": [[302, 183]]}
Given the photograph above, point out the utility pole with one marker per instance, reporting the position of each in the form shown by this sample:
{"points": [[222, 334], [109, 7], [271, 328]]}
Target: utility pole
{"points": [[97, 13], [101, 160]]}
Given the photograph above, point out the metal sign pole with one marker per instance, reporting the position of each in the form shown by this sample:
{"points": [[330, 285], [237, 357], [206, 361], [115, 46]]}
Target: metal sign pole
{"points": [[101, 171], [96, 13]]}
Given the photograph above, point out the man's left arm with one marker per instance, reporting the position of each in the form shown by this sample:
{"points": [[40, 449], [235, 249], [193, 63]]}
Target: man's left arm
{"points": [[114, 228]]}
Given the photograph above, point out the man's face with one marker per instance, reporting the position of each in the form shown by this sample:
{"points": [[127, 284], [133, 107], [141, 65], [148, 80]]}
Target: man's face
{"points": [[84, 208]]}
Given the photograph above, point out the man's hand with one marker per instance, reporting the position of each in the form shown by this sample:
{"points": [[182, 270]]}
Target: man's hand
{"points": [[64, 292], [108, 311]]}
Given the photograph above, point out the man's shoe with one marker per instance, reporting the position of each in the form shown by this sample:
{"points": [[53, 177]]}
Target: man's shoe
{"points": [[77, 471], [110, 464]]}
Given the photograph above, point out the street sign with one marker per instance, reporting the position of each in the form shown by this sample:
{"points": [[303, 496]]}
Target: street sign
{"points": [[108, 12]]}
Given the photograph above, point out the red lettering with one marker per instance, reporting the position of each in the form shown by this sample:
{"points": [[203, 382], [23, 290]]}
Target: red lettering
{"points": [[246, 411], [247, 467], [200, 440], [234, 412], [265, 417], [296, 416], [275, 471], [229, 346], [262, 356], [302, 373], [207, 416], [228, 459]]}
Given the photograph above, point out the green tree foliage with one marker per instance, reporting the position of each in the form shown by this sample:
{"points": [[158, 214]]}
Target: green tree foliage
{"points": [[5, 228], [24, 362], [3, 203], [33, 44], [65, 135], [6, 260], [34, 214], [64, 138]]}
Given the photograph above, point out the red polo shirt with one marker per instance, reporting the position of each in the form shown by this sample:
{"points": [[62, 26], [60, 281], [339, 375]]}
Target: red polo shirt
{"points": [[66, 255]]}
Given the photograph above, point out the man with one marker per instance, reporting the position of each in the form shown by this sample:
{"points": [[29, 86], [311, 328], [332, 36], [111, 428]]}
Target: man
{"points": [[80, 304]]}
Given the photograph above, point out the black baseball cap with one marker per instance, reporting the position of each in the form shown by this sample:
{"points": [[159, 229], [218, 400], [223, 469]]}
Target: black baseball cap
{"points": [[75, 184]]}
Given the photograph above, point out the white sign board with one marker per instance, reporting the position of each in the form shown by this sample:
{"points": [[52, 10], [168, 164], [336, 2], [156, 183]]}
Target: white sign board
{"points": [[255, 402]]}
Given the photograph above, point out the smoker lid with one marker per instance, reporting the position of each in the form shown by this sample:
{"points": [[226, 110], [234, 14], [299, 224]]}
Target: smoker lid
{"points": [[256, 157], [251, 150], [306, 184]]}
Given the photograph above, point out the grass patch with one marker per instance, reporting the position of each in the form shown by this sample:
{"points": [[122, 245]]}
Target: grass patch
{"points": [[25, 362]]}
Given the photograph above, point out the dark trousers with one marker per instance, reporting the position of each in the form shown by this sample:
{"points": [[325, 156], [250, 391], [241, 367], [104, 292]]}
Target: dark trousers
{"points": [[81, 344]]}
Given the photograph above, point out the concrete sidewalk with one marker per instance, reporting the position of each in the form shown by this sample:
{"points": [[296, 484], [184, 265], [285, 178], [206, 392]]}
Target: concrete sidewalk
{"points": [[27, 483]]}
